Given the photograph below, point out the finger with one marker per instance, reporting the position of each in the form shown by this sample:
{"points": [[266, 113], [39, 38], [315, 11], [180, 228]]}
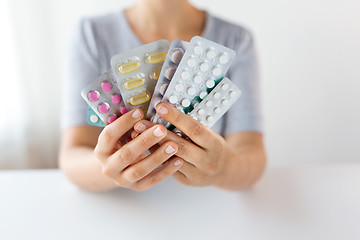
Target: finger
{"points": [[158, 175], [130, 152], [141, 169], [110, 136], [181, 178], [189, 170], [196, 131], [134, 134], [187, 150]]}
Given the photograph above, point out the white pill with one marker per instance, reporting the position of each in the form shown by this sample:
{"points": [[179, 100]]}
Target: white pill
{"points": [[216, 71], [191, 91], [173, 99], [204, 67], [191, 62], [211, 54], [209, 118], [94, 118], [169, 72], [224, 102], [217, 95], [179, 87], [217, 110], [177, 55], [210, 83], [232, 94], [157, 101], [225, 86], [208, 103], [197, 79], [185, 102], [201, 111], [224, 58], [163, 88], [185, 75], [198, 49], [203, 94]]}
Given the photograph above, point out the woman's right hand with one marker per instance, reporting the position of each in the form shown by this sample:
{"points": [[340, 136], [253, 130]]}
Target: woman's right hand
{"points": [[128, 165]]}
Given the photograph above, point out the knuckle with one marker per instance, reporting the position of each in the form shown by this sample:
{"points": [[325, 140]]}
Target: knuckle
{"points": [[107, 171], [106, 135], [181, 149], [143, 141], [197, 130], [134, 175], [124, 154]]}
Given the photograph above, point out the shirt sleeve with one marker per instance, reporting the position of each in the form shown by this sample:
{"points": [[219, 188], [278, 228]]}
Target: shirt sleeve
{"points": [[81, 68], [245, 114]]}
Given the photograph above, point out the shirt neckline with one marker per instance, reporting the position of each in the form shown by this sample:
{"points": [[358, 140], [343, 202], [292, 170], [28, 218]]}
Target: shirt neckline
{"points": [[136, 39]]}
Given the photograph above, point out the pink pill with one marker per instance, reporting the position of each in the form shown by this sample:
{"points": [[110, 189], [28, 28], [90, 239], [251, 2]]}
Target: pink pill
{"points": [[123, 110], [94, 96], [103, 107], [116, 99], [106, 86], [112, 118]]}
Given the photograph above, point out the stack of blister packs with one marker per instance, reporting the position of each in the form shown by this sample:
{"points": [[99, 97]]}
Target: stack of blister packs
{"points": [[187, 75]]}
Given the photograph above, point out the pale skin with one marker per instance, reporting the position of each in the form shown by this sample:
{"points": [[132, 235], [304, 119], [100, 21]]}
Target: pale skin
{"points": [[95, 160]]}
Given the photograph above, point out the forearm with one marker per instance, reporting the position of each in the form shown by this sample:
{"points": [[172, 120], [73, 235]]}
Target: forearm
{"points": [[244, 166], [83, 169]]}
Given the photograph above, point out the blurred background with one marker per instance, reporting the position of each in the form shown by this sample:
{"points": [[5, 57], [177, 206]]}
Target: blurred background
{"points": [[310, 66]]}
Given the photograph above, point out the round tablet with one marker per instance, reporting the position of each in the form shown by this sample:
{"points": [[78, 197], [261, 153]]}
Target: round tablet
{"points": [[201, 111], [224, 58], [93, 118], [157, 101], [103, 107], [179, 87], [191, 91], [106, 86], [185, 102], [191, 62], [216, 71], [225, 86], [177, 55], [217, 95], [204, 66], [163, 88], [203, 94], [217, 110], [209, 118], [197, 79], [116, 99], [112, 118], [210, 83], [208, 103], [173, 99], [185, 75], [169, 72], [94, 96], [123, 110], [224, 102], [211, 54], [198, 49], [232, 93]]}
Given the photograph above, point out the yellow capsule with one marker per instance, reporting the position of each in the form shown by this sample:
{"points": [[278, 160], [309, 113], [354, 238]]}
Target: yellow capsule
{"points": [[155, 58], [129, 67], [155, 75], [134, 83], [139, 99]]}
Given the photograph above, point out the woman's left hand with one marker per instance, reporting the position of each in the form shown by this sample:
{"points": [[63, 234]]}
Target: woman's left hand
{"points": [[205, 157]]}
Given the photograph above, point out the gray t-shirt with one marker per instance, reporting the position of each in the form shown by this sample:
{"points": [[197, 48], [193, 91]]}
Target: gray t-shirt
{"points": [[97, 39]]}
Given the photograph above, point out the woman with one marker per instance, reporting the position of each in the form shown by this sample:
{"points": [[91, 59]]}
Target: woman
{"points": [[230, 156]]}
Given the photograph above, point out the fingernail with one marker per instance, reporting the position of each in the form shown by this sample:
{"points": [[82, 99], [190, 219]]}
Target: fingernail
{"points": [[157, 132], [136, 114], [169, 149], [177, 163], [140, 127], [163, 110]]}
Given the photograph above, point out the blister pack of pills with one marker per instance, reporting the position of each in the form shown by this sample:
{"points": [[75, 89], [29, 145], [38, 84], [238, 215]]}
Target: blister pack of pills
{"points": [[175, 53], [93, 119], [216, 103], [202, 66], [137, 71], [104, 97]]}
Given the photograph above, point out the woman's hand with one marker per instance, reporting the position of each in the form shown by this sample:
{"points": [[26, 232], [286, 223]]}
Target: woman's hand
{"points": [[205, 157], [128, 165]]}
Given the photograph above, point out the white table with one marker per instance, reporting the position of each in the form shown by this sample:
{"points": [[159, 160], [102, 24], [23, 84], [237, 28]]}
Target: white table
{"points": [[305, 202]]}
